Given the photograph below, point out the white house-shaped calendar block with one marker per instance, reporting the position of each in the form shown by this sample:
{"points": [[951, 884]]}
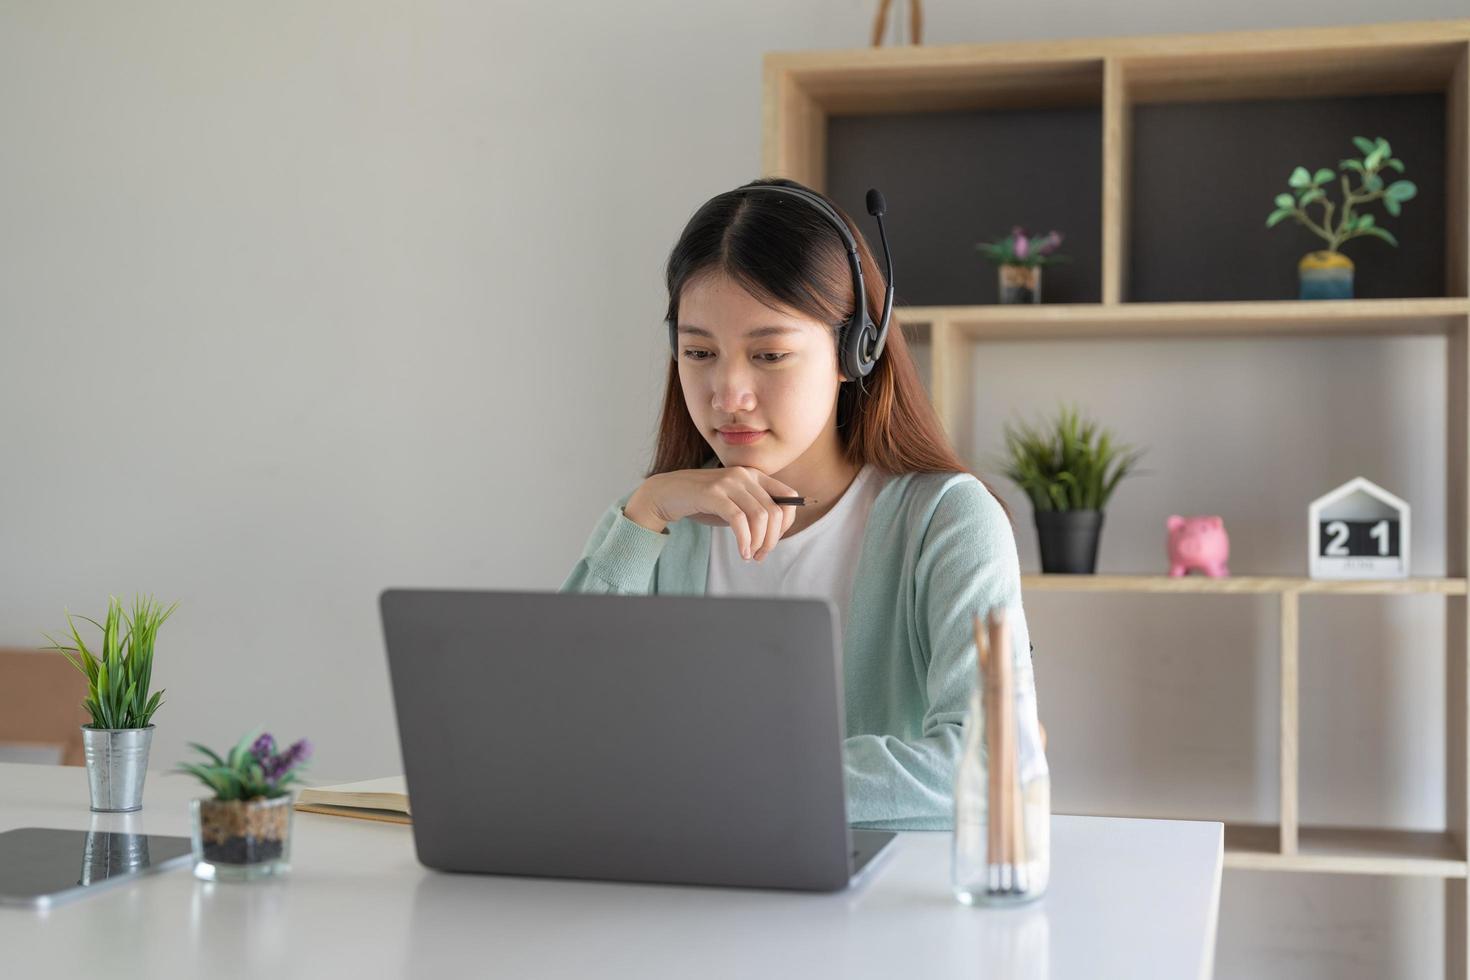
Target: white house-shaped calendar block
{"points": [[1359, 530]]}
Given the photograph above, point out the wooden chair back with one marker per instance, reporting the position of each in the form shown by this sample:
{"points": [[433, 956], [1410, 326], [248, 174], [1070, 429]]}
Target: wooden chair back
{"points": [[41, 702]]}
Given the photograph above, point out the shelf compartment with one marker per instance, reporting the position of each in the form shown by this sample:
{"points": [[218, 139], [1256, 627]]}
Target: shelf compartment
{"points": [[1345, 850], [1005, 83], [1201, 178], [1035, 167], [1240, 585], [1281, 318]]}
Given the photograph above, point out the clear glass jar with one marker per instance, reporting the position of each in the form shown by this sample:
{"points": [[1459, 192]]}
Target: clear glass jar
{"points": [[240, 840], [1020, 284], [1018, 870]]}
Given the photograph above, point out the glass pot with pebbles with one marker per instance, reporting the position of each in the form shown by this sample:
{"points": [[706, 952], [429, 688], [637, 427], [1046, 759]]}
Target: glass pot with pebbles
{"points": [[1019, 257], [244, 831]]}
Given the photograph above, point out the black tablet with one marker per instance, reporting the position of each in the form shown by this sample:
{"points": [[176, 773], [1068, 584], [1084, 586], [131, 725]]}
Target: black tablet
{"points": [[41, 866]]}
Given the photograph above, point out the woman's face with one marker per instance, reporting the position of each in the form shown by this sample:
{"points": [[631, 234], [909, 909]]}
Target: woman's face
{"points": [[744, 365]]}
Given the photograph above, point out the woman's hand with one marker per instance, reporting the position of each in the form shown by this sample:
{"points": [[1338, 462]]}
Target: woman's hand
{"points": [[735, 496]]}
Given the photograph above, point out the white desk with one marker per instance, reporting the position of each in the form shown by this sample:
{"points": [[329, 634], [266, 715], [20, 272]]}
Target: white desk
{"points": [[1128, 898]]}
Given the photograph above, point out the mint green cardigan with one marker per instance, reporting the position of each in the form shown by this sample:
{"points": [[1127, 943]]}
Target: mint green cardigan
{"points": [[937, 550]]}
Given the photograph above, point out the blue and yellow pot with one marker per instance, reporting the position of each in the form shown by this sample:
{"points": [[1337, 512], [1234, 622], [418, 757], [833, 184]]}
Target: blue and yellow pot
{"points": [[1325, 275]]}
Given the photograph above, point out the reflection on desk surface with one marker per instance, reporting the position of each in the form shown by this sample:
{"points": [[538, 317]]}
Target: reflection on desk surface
{"points": [[41, 866]]}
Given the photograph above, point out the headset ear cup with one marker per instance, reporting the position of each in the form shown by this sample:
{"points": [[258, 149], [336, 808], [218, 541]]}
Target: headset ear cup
{"points": [[844, 351], [859, 352]]}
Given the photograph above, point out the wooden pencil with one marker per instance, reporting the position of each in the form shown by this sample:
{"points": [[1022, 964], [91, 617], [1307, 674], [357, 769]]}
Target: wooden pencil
{"points": [[1014, 824], [1001, 754], [992, 785], [1004, 747]]}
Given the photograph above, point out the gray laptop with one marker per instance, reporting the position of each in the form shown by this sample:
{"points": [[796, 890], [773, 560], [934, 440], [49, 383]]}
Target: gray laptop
{"points": [[678, 739]]}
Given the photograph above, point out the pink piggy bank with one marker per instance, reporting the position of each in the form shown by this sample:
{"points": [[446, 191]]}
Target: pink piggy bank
{"points": [[1198, 542]]}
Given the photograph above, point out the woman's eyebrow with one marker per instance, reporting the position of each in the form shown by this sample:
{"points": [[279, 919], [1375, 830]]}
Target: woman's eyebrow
{"points": [[757, 332]]}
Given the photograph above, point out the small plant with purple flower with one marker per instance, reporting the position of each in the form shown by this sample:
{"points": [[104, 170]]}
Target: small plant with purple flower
{"points": [[244, 831], [1019, 248], [254, 769]]}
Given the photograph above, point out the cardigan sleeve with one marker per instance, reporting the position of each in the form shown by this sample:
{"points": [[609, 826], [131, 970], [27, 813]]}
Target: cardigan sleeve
{"points": [[619, 556], [966, 564]]}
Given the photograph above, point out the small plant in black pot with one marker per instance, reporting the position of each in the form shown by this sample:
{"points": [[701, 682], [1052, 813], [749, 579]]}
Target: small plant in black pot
{"points": [[1069, 468], [244, 831]]}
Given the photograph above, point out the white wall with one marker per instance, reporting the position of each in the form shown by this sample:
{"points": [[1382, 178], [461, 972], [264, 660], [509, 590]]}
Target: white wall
{"points": [[302, 300]]}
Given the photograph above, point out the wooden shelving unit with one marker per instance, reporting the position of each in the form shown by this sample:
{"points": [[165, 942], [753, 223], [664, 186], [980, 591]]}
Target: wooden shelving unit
{"points": [[805, 92], [1240, 585], [1345, 850], [1272, 318], [1289, 846]]}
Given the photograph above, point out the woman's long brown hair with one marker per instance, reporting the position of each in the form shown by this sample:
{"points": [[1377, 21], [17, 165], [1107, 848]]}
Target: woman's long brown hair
{"points": [[787, 255]]}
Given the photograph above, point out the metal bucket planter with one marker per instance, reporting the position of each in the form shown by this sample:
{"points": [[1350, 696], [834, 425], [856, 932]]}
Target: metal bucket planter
{"points": [[117, 762]]}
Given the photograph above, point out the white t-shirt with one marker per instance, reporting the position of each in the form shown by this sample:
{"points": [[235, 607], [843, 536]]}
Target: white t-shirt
{"points": [[819, 560]]}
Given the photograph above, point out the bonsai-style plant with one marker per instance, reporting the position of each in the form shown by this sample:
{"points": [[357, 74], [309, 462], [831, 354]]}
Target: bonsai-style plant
{"points": [[119, 698], [1069, 469], [1020, 257], [244, 830], [1327, 273]]}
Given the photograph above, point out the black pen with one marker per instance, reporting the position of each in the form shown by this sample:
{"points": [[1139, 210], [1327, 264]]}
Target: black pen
{"points": [[794, 501]]}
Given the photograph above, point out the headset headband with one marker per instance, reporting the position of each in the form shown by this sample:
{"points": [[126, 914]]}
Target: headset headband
{"points": [[859, 343]]}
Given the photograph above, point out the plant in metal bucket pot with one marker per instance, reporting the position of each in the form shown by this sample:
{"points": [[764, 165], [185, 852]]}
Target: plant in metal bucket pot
{"points": [[244, 831], [1327, 273], [119, 676], [1020, 257], [1069, 469]]}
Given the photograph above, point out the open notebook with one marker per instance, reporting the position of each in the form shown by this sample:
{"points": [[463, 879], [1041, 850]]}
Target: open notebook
{"points": [[371, 799]]}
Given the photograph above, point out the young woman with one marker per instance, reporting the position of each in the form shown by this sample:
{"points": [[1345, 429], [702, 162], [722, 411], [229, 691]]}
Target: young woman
{"points": [[897, 532]]}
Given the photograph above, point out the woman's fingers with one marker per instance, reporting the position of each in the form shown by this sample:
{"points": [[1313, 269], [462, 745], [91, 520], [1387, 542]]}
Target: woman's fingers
{"points": [[740, 498], [772, 486], [739, 487], [775, 527], [785, 513], [734, 516], [759, 519], [781, 516], [775, 522]]}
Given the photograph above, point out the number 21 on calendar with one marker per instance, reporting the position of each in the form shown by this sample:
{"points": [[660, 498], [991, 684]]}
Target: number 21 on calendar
{"points": [[1358, 531]]}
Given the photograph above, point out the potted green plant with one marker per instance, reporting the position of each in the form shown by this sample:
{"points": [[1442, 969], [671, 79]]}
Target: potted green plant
{"points": [[1327, 273], [1020, 257], [1069, 468], [119, 699], [244, 830]]}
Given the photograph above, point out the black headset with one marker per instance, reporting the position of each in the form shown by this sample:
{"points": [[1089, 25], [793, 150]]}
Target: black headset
{"points": [[858, 349]]}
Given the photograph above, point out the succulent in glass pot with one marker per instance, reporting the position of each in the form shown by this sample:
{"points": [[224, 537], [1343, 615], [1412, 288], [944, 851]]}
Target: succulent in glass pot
{"points": [[244, 830]]}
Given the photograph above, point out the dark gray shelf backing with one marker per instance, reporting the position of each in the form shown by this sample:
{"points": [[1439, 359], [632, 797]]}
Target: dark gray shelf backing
{"points": [[1204, 176], [953, 179]]}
